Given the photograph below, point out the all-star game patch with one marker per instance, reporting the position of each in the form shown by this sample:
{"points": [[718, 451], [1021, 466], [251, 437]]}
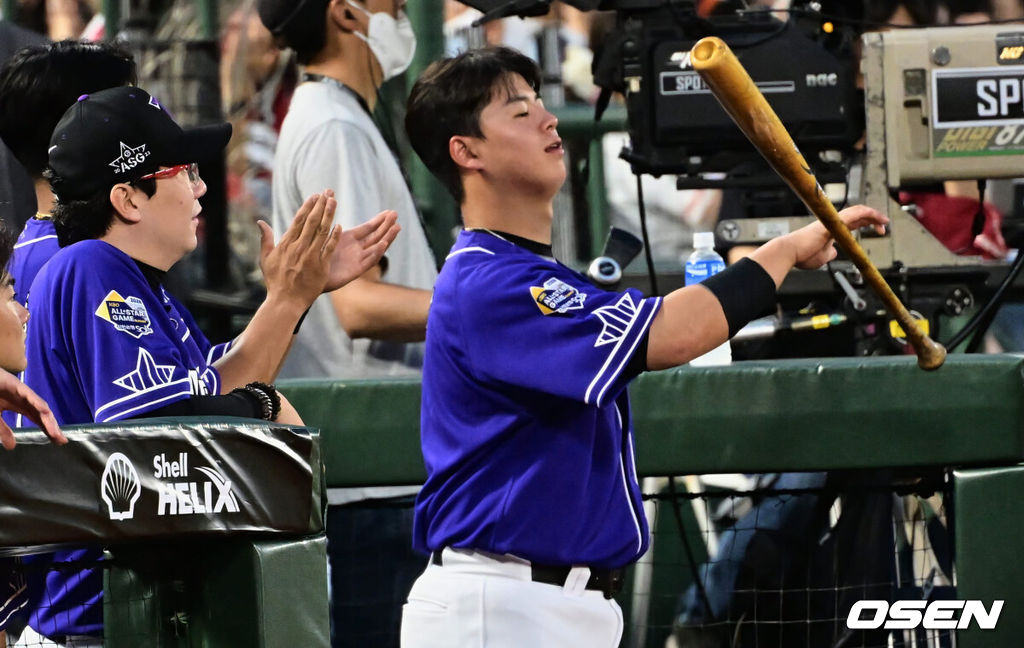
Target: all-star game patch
{"points": [[127, 314], [556, 296]]}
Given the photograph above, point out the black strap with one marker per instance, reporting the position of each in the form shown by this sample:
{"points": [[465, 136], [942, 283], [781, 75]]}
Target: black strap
{"points": [[319, 78], [745, 290], [607, 581], [391, 142]]}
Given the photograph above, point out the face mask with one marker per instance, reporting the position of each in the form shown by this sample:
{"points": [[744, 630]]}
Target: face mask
{"points": [[391, 41]]}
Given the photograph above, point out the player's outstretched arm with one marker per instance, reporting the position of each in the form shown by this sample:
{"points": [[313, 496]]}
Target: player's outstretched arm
{"points": [[295, 270], [692, 321], [16, 396]]}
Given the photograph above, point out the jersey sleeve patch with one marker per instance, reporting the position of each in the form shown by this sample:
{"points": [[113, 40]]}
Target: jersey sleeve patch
{"points": [[556, 296], [126, 314]]}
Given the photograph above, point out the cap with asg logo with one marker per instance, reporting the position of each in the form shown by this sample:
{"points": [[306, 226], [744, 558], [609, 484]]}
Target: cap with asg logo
{"points": [[120, 135]]}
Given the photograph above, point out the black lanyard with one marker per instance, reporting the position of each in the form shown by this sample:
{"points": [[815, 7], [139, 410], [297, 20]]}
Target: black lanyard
{"points": [[319, 78]]}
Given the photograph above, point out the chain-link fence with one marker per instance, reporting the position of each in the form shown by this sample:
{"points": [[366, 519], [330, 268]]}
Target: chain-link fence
{"points": [[778, 561]]}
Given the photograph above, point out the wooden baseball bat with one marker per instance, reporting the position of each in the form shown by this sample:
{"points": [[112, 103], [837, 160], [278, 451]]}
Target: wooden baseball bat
{"points": [[735, 90]]}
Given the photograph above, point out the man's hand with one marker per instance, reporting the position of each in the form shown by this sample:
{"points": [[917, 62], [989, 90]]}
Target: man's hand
{"points": [[361, 248], [15, 396], [813, 245], [297, 267]]}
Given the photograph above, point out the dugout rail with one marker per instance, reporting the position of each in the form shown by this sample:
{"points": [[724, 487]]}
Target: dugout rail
{"points": [[260, 584], [212, 530], [774, 416]]}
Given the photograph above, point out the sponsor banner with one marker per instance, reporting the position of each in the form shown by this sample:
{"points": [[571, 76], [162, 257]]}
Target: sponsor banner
{"points": [[978, 111], [684, 83], [977, 96], [154, 480]]}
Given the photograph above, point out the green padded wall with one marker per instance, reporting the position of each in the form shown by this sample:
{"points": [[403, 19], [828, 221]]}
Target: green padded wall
{"points": [[988, 532], [219, 594], [818, 414]]}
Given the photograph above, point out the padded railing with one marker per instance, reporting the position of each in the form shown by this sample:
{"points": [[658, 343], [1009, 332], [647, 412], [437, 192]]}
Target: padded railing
{"points": [[799, 415]]}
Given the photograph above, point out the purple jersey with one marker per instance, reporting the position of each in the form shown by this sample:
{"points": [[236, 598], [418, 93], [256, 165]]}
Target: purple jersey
{"points": [[104, 344], [525, 426], [36, 244]]}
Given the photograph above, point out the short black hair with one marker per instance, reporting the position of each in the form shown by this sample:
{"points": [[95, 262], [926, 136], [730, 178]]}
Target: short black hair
{"points": [[447, 101], [6, 249], [91, 218], [40, 82], [304, 30]]}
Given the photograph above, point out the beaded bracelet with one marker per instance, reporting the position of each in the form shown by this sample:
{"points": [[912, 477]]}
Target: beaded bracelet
{"points": [[270, 400]]}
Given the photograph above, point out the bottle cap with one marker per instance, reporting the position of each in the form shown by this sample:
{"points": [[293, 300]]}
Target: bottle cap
{"points": [[703, 240]]}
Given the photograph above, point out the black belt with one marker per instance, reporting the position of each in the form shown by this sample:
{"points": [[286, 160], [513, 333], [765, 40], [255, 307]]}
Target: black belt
{"points": [[607, 581]]}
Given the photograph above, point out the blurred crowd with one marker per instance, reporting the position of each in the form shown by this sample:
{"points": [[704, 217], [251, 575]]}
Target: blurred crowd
{"points": [[257, 79]]}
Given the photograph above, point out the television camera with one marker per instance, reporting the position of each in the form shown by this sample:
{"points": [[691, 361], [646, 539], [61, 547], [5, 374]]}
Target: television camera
{"points": [[937, 104]]}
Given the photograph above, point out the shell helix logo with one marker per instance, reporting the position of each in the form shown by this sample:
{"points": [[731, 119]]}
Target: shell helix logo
{"points": [[183, 496], [120, 487], [210, 491]]}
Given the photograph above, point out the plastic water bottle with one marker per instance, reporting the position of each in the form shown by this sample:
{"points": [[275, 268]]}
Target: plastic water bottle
{"points": [[703, 263]]}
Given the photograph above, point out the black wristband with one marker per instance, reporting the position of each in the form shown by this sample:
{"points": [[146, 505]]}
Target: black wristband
{"points": [[251, 399], [270, 400], [301, 320], [745, 290]]}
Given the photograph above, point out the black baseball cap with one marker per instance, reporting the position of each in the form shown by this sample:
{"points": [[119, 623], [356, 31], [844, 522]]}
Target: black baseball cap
{"points": [[119, 135], [292, 18]]}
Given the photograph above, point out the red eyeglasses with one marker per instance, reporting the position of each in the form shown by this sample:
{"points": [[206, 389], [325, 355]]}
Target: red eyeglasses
{"points": [[170, 172]]}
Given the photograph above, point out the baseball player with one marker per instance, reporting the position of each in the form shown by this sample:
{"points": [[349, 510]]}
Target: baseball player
{"points": [[532, 507], [15, 396], [106, 342]]}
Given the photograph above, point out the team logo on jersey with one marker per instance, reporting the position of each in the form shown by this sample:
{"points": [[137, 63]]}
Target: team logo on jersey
{"points": [[615, 320], [120, 487], [130, 157], [127, 314], [556, 296]]}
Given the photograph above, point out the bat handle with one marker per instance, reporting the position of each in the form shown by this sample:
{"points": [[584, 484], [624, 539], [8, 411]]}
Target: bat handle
{"points": [[930, 354]]}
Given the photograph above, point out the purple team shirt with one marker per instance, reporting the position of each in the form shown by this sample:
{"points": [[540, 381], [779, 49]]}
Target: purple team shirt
{"points": [[525, 425]]}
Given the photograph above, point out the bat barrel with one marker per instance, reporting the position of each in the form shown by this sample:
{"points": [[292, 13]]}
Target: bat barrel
{"points": [[740, 97]]}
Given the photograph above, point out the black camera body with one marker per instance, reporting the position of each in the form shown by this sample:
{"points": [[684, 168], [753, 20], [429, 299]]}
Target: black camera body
{"points": [[677, 126]]}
